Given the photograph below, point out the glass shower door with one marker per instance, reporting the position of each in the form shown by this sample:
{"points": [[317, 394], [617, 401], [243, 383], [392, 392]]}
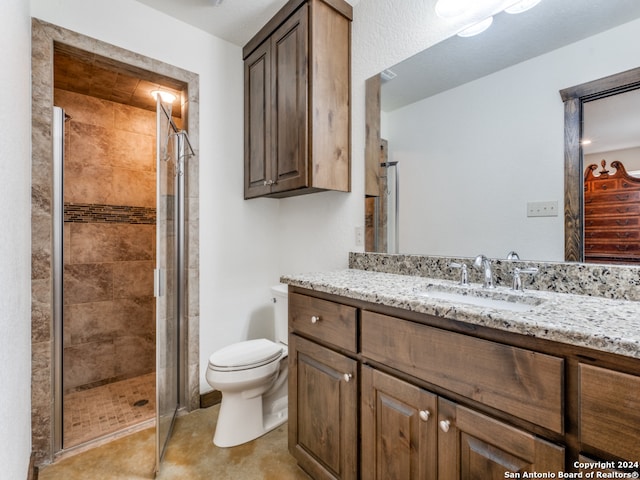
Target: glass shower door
{"points": [[168, 275]]}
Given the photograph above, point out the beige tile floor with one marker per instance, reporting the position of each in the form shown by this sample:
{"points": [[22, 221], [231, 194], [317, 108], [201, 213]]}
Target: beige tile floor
{"points": [[190, 455], [100, 411]]}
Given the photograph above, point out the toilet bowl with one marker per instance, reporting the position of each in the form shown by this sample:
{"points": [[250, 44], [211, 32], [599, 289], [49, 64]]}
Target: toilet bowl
{"points": [[252, 377]]}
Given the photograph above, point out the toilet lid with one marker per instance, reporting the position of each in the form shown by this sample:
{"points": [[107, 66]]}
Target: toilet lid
{"points": [[247, 354]]}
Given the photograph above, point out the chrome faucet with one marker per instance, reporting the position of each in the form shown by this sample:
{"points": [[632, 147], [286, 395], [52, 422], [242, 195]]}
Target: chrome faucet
{"points": [[513, 255], [517, 281], [484, 264], [464, 276]]}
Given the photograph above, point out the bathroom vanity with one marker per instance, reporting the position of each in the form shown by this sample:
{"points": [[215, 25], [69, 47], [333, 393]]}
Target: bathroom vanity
{"points": [[402, 376]]}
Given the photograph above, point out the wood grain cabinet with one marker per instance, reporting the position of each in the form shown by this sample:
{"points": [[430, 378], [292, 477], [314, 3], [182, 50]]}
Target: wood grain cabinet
{"points": [[473, 445], [409, 432], [297, 96], [610, 412], [399, 433], [323, 388], [611, 215], [381, 393]]}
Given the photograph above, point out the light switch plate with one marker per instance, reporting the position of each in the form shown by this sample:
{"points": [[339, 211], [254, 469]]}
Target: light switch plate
{"points": [[359, 236], [542, 209]]}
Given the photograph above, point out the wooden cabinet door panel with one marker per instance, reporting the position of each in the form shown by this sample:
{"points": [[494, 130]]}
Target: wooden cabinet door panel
{"points": [[323, 423], [399, 434], [609, 413], [290, 103], [257, 122], [521, 382], [474, 446]]}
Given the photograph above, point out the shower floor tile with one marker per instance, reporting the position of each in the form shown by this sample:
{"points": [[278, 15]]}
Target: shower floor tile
{"points": [[104, 410]]}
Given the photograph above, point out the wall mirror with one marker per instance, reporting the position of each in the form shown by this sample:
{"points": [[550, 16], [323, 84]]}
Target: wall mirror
{"points": [[476, 128], [602, 169]]}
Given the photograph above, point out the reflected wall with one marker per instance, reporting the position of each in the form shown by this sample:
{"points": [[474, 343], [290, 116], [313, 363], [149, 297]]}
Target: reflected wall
{"points": [[474, 156]]}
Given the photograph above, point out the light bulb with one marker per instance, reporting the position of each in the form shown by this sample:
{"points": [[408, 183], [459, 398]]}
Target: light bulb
{"points": [[522, 6], [476, 28], [166, 97]]}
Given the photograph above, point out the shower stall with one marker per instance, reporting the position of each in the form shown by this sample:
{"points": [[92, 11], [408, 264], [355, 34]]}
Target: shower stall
{"points": [[119, 282]]}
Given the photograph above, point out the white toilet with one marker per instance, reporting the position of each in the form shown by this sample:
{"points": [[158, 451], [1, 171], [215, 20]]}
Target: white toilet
{"points": [[252, 377]]}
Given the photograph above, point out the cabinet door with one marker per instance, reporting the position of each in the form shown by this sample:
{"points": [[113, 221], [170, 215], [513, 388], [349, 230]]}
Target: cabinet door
{"points": [[474, 446], [257, 122], [610, 412], [323, 423], [399, 432], [289, 94]]}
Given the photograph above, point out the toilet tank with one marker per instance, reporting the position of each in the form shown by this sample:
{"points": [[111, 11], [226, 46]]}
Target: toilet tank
{"points": [[280, 294]]}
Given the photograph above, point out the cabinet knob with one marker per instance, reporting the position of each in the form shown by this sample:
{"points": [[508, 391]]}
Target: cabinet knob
{"points": [[347, 377], [315, 319], [424, 415], [444, 425]]}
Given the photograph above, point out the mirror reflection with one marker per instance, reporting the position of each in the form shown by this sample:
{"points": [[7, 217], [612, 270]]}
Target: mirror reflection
{"points": [[610, 144], [476, 126]]}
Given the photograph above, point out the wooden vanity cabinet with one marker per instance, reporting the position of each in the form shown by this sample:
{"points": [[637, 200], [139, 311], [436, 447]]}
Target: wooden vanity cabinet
{"points": [[409, 432], [323, 387], [381, 393], [297, 101]]}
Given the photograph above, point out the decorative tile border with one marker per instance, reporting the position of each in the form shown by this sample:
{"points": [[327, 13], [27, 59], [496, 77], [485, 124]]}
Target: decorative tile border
{"points": [[96, 213]]}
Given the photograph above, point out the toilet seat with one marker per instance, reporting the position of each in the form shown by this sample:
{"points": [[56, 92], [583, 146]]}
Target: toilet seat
{"points": [[245, 355]]}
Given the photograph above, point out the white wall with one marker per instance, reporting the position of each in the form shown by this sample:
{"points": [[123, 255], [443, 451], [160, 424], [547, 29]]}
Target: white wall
{"points": [[630, 158], [472, 157], [15, 239], [238, 254], [318, 231]]}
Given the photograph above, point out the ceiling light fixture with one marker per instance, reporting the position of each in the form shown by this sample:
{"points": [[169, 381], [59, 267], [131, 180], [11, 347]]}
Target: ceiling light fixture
{"points": [[522, 6], [476, 28], [474, 9], [464, 8], [166, 97]]}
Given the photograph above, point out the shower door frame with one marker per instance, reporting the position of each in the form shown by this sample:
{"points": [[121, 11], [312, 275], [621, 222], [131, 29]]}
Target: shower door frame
{"points": [[162, 285], [46, 431], [178, 282]]}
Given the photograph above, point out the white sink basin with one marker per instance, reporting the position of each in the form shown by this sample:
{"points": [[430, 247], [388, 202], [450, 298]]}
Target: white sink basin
{"points": [[513, 303]]}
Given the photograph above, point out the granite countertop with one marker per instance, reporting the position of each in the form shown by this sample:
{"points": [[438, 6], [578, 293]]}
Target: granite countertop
{"points": [[594, 322]]}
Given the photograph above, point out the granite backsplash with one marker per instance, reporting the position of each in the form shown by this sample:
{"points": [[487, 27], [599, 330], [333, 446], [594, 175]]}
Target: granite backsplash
{"points": [[598, 280]]}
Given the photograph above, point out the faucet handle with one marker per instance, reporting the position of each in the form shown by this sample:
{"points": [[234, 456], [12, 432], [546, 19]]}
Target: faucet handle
{"points": [[517, 280], [464, 275]]}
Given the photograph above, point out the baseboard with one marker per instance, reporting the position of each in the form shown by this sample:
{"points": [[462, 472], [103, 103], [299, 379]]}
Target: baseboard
{"points": [[210, 399], [32, 474]]}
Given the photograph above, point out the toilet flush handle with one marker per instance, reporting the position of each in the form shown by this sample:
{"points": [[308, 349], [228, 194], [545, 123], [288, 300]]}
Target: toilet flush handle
{"points": [[315, 319]]}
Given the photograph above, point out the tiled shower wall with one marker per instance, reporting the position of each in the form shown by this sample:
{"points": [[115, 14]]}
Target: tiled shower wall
{"points": [[109, 237]]}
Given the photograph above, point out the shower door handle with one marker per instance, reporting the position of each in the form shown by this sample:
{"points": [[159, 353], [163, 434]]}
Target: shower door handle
{"points": [[158, 282]]}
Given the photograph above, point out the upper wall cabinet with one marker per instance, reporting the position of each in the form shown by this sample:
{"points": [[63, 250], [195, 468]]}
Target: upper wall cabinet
{"points": [[297, 97]]}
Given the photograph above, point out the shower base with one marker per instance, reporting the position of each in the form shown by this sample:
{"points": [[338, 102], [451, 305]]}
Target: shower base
{"points": [[104, 410]]}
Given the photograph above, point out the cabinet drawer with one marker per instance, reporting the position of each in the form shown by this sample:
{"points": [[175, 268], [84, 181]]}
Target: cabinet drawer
{"points": [[520, 382], [610, 411], [620, 209], [324, 320]]}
